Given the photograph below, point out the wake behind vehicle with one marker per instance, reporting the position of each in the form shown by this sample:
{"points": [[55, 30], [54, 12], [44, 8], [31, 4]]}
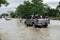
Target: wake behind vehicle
{"points": [[37, 21]]}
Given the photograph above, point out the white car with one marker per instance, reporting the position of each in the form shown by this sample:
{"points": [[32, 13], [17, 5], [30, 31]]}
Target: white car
{"points": [[37, 21], [41, 22]]}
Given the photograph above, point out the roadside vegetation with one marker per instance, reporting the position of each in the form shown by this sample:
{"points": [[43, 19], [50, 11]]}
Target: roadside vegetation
{"points": [[34, 7], [13, 15], [37, 7], [4, 2], [29, 8]]}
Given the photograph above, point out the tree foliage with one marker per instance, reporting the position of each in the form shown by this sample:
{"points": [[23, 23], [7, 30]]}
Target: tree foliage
{"points": [[58, 6], [4, 2], [52, 12], [4, 15], [13, 15], [37, 7], [28, 8]]}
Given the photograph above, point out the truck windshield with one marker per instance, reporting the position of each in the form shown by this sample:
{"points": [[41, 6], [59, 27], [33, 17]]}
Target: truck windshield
{"points": [[37, 17], [29, 17]]}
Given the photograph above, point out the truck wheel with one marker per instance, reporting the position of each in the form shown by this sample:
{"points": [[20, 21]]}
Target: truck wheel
{"points": [[29, 25], [25, 22], [32, 25], [35, 26], [45, 26], [41, 26]]}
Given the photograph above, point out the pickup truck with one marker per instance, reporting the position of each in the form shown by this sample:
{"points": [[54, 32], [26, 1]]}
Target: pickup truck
{"points": [[37, 21]]}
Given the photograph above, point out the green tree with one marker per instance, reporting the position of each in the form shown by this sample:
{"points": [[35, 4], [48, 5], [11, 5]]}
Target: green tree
{"points": [[28, 8], [58, 8], [38, 6], [4, 15], [4, 2], [24, 9], [13, 15], [50, 11]]}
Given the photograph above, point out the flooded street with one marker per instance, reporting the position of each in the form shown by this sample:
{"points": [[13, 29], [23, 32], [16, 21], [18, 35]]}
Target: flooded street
{"points": [[15, 30]]}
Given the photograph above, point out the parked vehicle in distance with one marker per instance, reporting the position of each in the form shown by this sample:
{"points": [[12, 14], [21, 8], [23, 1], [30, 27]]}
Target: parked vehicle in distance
{"points": [[37, 21]]}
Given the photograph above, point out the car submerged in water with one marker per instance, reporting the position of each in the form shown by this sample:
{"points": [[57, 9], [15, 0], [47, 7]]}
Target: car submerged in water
{"points": [[37, 21]]}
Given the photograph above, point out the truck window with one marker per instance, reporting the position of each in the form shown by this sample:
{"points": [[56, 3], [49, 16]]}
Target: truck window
{"points": [[29, 17], [37, 17]]}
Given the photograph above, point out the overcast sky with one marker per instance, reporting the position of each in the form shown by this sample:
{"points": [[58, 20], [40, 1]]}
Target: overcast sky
{"points": [[14, 3]]}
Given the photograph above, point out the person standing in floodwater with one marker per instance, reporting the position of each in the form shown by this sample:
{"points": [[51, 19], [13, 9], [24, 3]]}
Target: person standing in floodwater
{"points": [[20, 17]]}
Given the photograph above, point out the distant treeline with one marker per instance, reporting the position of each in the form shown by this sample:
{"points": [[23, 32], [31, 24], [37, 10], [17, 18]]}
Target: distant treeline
{"points": [[36, 7]]}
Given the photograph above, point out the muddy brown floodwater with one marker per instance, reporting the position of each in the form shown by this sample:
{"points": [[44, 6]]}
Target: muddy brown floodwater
{"points": [[15, 30]]}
